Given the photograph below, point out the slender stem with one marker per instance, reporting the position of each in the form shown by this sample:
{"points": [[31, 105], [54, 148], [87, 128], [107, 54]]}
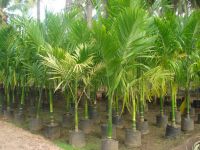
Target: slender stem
{"points": [[110, 101], [51, 101], [13, 96], [117, 104], [134, 114], [22, 97], [173, 106], [161, 106], [175, 103], [86, 109], [188, 102], [76, 104], [51, 106], [39, 103], [8, 97], [1, 102], [67, 98], [141, 103]]}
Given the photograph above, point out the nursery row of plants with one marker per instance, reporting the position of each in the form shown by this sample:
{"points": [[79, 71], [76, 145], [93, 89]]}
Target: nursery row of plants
{"points": [[131, 52]]}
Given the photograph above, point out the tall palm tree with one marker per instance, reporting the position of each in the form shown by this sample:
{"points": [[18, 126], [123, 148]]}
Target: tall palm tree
{"points": [[189, 42], [3, 4]]}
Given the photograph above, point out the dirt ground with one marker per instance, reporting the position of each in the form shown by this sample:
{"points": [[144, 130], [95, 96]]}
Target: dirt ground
{"points": [[155, 140], [15, 138], [12, 137]]}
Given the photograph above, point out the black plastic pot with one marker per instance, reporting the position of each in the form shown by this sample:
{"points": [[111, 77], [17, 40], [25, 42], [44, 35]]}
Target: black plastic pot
{"points": [[198, 119], [19, 117], [93, 113], [72, 108], [196, 103], [45, 106], [104, 128], [161, 120], [86, 126], [32, 111], [187, 124], [52, 130], [179, 102], [67, 120], [77, 139], [143, 126], [109, 144], [132, 138], [172, 132], [8, 114], [117, 121], [1, 110], [35, 124]]}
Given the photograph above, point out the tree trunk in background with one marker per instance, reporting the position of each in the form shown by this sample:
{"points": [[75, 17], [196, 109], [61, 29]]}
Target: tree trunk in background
{"points": [[68, 4], [89, 13], [38, 10], [105, 7]]}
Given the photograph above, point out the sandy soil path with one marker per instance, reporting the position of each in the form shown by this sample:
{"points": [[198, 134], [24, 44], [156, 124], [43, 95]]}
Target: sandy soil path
{"points": [[14, 138]]}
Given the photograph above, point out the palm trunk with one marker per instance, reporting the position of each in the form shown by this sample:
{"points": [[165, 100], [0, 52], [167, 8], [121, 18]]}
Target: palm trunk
{"points": [[1, 102], [39, 103], [22, 98], [67, 98], [141, 103], [38, 10], [68, 4], [161, 106], [89, 13], [110, 101], [117, 105], [7, 92], [51, 105], [86, 109], [105, 7], [134, 114], [76, 104], [173, 107], [187, 102], [13, 95]]}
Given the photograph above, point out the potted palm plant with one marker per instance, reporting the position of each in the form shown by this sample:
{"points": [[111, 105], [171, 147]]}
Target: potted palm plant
{"points": [[190, 34], [36, 76], [73, 67], [129, 28], [8, 63]]}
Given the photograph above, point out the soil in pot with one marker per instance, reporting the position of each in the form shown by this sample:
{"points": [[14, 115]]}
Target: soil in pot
{"points": [[104, 128], [161, 120], [77, 139], [67, 120], [187, 124], [143, 127], [132, 138], [172, 131], [86, 126], [52, 130], [35, 124], [109, 144], [178, 117]]}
